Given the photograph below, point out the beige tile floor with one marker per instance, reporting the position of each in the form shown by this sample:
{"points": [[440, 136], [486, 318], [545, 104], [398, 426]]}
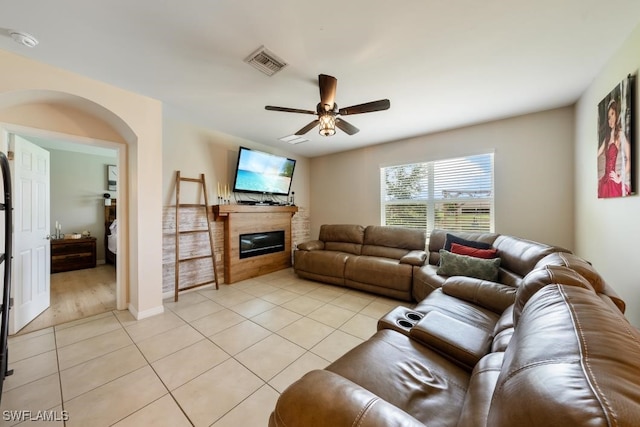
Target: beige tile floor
{"points": [[216, 358]]}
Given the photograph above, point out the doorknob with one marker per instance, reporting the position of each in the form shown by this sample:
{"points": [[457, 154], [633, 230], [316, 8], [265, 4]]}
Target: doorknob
{"points": [[48, 237]]}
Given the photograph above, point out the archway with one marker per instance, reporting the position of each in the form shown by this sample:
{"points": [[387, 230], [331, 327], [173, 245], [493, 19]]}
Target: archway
{"points": [[62, 116]]}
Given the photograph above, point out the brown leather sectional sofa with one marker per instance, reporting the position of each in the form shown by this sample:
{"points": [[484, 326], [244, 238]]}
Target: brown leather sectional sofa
{"points": [[376, 259], [551, 347]]}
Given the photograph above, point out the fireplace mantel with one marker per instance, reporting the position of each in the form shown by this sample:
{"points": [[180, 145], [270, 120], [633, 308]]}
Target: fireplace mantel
{"points": [[226, 210], [246, 219]]}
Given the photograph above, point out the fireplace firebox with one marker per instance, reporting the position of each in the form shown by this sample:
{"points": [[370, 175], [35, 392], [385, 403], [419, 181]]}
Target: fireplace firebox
{"points": [[255, 244]]}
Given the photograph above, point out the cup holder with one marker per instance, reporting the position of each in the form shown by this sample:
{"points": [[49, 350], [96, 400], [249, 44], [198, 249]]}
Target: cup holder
{"points": [[412, 315], [405, 323], [401, 319]]}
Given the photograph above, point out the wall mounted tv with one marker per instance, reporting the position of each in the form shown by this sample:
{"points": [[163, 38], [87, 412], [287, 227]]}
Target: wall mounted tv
{"points": [[264, 173]]}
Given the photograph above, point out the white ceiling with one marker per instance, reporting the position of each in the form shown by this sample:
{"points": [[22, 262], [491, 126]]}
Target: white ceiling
{"points": [[443, 64]]}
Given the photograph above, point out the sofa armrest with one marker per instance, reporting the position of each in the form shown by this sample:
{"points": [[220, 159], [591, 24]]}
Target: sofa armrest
{"points": [[490, 295], [323, 398], [414, 257], [311, 245], [455, 339]]}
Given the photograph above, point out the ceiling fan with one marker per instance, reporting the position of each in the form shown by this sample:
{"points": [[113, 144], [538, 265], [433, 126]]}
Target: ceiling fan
{"points": [[327, 110]]}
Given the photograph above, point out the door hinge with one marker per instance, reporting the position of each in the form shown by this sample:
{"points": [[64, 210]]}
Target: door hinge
{"points": [[10, 155]]}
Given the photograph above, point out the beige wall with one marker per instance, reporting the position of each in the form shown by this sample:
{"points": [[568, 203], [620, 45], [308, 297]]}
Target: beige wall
{"points": [[608, 230], [194, 150], [138, 122], [533, 175]]}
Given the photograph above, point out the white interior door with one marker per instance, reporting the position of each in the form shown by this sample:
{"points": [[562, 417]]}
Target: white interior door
{"points": [[30, 282]]}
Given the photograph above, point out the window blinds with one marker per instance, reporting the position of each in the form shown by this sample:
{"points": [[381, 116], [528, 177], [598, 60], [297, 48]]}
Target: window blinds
{"points": [[453, 194]]}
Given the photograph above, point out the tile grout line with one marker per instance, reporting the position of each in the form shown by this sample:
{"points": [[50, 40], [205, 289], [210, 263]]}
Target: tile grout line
{"points": [[173, 310], [154, 372]]}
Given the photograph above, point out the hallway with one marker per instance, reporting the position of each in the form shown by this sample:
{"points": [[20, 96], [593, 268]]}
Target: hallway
{"points": [[77, 294]]}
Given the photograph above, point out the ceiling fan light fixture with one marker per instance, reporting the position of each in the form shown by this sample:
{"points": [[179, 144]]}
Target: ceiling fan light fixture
{"points": [[327, 124]]}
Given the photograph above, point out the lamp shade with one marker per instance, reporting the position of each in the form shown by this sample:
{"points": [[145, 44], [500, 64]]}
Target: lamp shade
{"points": [[327, 124]]}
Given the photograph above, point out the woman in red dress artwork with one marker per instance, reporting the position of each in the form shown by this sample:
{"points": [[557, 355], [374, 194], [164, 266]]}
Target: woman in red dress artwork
{"points": [[613, 183]]}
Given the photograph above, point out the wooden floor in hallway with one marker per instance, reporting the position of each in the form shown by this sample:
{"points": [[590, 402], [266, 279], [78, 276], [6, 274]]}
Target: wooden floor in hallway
{"points": [[77, 294]]}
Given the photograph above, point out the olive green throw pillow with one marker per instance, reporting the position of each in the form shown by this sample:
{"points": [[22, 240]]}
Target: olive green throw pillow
{"points": [[462, 265]]}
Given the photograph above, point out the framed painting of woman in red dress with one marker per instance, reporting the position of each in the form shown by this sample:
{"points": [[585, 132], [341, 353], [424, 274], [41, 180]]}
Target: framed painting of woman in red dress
{"points": [[616, 170]]}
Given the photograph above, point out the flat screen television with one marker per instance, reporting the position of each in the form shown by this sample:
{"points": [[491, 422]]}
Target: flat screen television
{"points": [[264, 173]]}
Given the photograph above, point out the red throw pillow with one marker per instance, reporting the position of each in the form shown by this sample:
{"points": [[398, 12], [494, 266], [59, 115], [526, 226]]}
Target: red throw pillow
{"points": [[474, 252]]}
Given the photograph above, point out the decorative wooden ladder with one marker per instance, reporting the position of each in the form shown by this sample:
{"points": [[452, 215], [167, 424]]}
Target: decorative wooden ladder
{"points": [[179, 233]]}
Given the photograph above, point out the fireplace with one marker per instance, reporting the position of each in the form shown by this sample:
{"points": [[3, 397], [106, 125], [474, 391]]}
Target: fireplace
{"points": [[255, 244], [241, 221]]}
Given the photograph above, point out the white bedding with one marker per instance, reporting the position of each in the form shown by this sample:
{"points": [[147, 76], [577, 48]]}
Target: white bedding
{"points": [[112, 238]]}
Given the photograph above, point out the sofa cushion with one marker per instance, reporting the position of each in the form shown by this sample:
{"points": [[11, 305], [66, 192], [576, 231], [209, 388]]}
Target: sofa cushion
{"points": [[324, 398], [483, 382], [586, 270], [395, 237], [575, 263], [474, 252], [460, 309], [572, 361], [503, 330], [542, 277], [463, 265], [425, 281], [384, 252], [350, 248], [494, 296], [457, 340], [342, 237], [384, 272], [408, 375], [324, 263], [509, 277], [520, 255]]}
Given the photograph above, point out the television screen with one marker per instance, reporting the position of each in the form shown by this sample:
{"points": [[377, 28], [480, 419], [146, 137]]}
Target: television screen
{"points": [[260, 172]]}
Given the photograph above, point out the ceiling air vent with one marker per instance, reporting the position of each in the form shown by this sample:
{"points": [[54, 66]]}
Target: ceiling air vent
{"points": [[266, 61]]}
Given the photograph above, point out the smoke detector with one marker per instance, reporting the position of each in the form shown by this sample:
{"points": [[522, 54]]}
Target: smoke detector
{"points": [[265, 61], [24, 39]]}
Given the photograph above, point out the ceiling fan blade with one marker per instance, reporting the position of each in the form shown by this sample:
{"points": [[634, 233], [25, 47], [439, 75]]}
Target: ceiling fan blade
{"points": [[288, 110], [382, 104], [328, 85], [346, 126], [308, 127]]}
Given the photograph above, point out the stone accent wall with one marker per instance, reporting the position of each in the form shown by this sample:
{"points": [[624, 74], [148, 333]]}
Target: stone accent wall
{"points": [[198, 271], [300, 226]]}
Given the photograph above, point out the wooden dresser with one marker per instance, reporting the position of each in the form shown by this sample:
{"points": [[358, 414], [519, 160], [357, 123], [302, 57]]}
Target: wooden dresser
{"points": [[73, 254]]}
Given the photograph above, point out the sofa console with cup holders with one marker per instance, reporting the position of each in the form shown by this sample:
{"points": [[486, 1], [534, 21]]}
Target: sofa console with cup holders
{"points": [[545, 343]]}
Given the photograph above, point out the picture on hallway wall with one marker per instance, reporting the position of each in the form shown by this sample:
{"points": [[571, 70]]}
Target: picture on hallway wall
{"points": [[616, 168], [112, 177]]}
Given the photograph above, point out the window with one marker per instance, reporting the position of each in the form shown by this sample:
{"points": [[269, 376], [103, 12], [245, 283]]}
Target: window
{"points": [[453, 194]]}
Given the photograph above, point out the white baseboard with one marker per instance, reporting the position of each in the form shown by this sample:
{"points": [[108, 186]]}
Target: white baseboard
{"points": [[146, 313]]}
